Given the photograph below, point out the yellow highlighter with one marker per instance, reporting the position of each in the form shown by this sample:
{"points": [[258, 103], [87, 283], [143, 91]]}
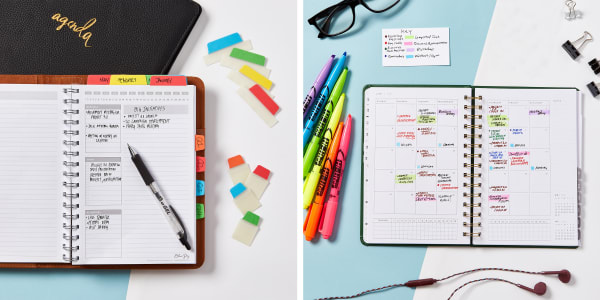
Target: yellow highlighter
{"points": [[313, 177]]}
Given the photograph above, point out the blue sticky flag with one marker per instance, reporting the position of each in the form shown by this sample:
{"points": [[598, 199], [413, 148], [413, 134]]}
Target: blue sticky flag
{"points": [[224, 42], [199, 187]]}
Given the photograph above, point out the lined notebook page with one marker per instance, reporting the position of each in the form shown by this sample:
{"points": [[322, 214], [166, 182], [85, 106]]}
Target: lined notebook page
{"points": [[413, 173], [121, 220], [530, 160], [30, 173]]}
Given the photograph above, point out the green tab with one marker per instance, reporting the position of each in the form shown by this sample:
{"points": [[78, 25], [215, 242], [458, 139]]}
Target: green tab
{"points": [[148, 79], [248, 56], [251, 218], [199, 211]]}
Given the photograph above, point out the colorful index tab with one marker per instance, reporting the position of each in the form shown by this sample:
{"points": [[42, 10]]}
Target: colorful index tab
{"points": [[98, 80], [237, 189], [128, 80], [251, 218], [200, 164], [199, 142], [224, 42], [256, 77], [235, 161], [248, 56], [168, 80], [262, 172], [199, 187], [264, 98], [199, 211]]}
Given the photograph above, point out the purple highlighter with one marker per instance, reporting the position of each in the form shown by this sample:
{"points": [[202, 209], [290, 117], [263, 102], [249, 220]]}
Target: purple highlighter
{"points": [[316, 87]]}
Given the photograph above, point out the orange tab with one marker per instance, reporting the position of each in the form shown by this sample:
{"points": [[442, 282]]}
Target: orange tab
{"points": [[199, 142], [235, 161], [98, 80], [200, 164]]}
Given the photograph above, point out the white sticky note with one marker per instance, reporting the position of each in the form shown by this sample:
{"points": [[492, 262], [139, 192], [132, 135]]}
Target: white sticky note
{"points": [[258, 107], [238, 169], [246, 229], [415, 47], [258, 180], [218, 55], [236, 64], [244, 199]]}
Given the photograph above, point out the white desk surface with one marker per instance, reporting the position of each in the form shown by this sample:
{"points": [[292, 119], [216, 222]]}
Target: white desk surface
{"points": [[267, 270]]}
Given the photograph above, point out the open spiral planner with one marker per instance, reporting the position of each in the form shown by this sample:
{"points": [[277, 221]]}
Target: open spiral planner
{"points": [[70, 193], [462, 165]]}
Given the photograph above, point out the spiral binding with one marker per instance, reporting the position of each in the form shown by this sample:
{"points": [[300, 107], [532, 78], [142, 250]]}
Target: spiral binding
{"points": [[473, 110], [70, 184]]}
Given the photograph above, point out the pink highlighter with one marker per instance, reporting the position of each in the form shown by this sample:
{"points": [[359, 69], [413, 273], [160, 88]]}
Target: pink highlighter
{"points": [[330, 209]]}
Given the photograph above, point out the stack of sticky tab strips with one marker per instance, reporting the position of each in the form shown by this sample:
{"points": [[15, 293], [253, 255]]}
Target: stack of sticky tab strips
{"points": [[248, 71], [200, 168], [247, 190], [173, 80]]}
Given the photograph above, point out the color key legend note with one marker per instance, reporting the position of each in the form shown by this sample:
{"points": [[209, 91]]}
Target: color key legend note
{"points": [[415, 47]]}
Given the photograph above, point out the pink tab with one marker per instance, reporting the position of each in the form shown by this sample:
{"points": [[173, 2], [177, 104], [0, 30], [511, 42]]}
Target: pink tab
{"points": [[200, 164], [98, 80], [262, 172], [168, 80]]}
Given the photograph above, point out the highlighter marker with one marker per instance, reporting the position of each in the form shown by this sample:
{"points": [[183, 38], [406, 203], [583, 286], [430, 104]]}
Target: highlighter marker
{"points": [[317, 85], [320, 102]]}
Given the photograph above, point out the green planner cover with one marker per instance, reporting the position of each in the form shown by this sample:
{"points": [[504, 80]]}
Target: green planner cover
{"points": [[501, 149]]}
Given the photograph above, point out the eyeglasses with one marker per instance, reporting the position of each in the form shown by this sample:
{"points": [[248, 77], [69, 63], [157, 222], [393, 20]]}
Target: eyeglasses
{"points": [[339, 18]]}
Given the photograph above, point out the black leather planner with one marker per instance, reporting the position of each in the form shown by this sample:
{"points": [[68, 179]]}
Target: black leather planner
{"points": [[93, 36]]}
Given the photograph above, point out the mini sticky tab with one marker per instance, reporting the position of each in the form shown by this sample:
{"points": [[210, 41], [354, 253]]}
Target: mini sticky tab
{"points": [[199, 211], [168, 80], [269, 104], [245, 82], [98, 80], [237, 189], [256, 77], [199, 187], [199, 142], [251, 218], [257, 106], [258, 181], [224, 53], [248, 56], [235, 161], [128, 80], [262, 172], [235, 64], [200, 164], [244, 199], [148, 77], [246, 229], [224, 42]]}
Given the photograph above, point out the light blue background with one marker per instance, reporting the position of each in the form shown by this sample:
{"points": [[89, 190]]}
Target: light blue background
{"points": [[54, 284], [343, 266]]}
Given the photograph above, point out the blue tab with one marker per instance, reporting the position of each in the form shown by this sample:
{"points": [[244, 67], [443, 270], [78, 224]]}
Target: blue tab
{"points": [[224, 42], [199, 187], [237, 190]]}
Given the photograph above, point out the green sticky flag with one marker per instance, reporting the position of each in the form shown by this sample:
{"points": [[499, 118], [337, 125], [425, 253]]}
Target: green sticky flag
{"points": [[248, 56], [199, 211], [251, 218]]}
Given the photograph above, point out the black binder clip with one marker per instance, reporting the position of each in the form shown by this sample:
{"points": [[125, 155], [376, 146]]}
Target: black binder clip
{"points": [[595, 65], [574, 50], [593, 89]]}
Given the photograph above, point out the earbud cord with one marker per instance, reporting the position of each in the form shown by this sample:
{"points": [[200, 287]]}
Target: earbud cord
{"points": [[436, 280]]}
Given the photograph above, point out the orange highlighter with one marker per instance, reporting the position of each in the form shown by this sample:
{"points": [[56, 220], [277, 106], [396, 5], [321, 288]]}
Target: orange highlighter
{"points": [[311, 223]]}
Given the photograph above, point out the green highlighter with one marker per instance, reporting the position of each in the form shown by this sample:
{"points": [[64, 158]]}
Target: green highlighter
{"points": [[313, 145], [313, 178]]}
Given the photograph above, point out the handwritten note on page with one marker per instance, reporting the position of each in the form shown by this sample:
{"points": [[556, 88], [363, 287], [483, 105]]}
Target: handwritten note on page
{"points": [[415, 47], [121, 220]]}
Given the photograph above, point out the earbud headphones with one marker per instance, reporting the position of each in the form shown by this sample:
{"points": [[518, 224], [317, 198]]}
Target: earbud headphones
{"points": [[539, 289]]}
